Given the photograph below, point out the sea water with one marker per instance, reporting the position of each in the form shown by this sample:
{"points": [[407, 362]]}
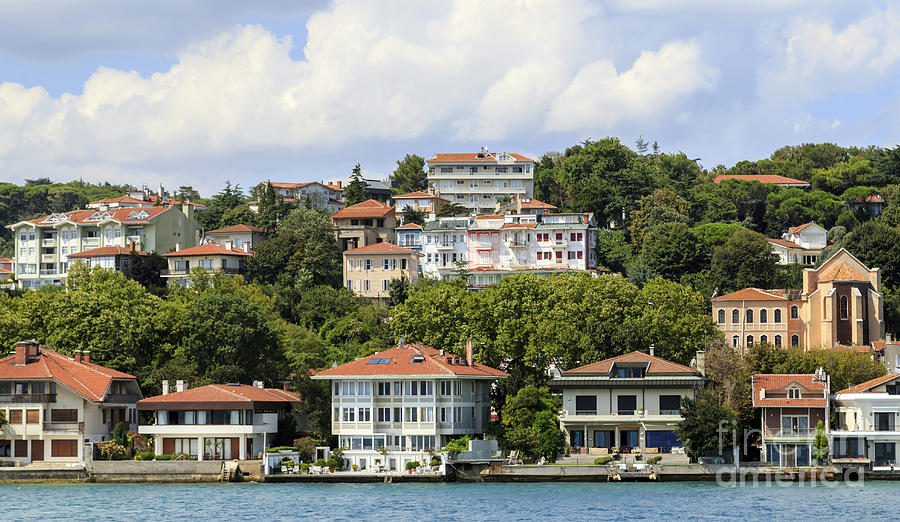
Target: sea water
{"points": [[449, 501]]}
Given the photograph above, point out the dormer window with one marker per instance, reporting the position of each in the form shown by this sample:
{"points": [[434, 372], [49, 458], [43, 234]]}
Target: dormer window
{"points": [[793, 393], [628, 372]]}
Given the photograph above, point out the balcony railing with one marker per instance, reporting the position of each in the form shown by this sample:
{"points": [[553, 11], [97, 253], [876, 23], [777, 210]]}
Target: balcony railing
{"points": [[122, 397], [48, 258], [48, 242], [790, 432], [515, 243], [49, 271], [585, 412], [445, 246], [64, 426], [28, 397]]}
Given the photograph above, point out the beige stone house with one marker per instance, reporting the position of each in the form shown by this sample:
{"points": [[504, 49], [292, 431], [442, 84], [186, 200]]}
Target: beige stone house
{"points": [[364, 224], [369, 270]]}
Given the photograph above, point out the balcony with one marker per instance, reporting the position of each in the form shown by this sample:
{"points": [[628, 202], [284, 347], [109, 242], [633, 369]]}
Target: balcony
{"points": [[28, 397], [49, 271], [791, 432], [133, 239], [128, 398], [64, 426], [90, 242], [48, 242], [48, 258], [445, 246], [111, 425], [517, 243]]}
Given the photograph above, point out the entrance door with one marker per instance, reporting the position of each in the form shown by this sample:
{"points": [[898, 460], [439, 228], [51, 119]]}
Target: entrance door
{"points": [[577, 438], [604, 439], [630, 439], [884, 453], [789, 456], [37, 450]]}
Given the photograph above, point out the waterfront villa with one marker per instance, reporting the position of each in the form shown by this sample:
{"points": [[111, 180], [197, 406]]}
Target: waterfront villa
{"points": [[625, 403], [410, 400], [866, 426], [225, 421], [792, 405], [56, 404], [840, 304]]}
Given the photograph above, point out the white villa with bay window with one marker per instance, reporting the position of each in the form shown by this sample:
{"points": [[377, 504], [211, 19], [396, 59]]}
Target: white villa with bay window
{"points": [[867, 426], [410, 400]]}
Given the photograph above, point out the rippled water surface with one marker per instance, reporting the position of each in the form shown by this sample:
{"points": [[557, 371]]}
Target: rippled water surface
{"points": [[542, 501]]}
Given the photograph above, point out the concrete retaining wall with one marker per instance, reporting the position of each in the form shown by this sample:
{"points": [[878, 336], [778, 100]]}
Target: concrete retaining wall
{"points": [[42, 475], [155, 471]]}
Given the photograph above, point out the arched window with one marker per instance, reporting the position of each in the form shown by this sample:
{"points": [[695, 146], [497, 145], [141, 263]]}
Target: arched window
{"points": [[764, 339], [749, 316], [844, 307], [735, 341], [777, 314], [735, 317], [764, 316], [795, 312], [749, 340], [721, 316], [795, 340], [777, 340]]}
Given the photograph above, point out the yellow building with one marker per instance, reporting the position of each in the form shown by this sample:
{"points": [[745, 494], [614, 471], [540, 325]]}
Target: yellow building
{"points": [[840, 304], [369, 270]]}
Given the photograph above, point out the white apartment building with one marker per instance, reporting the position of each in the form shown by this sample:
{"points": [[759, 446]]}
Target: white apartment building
{"points": [[444, 244], [476, 180], [410, 400], [43, 244], [802, 244], [57, 405], [866, 427]]}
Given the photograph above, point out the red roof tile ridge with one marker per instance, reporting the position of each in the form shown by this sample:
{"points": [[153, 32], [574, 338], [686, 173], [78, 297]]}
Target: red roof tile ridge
{"points": [[871, 383], [62, 368]]}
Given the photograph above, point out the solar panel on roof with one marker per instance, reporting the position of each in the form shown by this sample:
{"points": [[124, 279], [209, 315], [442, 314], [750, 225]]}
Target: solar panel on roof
{"points": [[374, 361], [384, 361]]}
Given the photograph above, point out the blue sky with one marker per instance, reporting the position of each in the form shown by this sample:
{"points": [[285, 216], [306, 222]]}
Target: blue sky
{"points": [[195, 93]]}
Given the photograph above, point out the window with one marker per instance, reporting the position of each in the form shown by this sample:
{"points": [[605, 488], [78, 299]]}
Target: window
{"points": [[411, 415], [764, 316], [749, 340], [367, 286], [364, 387], [473, 170], [368, 264], [721, 316], [402, 264], [749, 314], [735, 341], [32, 416], [735, 316], [795, 340], [63, 415], [777, 340], [764, 339], [384, 415], [349, 415], [585, 405], [446, 170], [15, 416], [795, 312], [844, 307], [669, 404], [364, 414], [386, 264], [794, 393], [629, 372], [349, 388], [501, 170], [627, 404]]}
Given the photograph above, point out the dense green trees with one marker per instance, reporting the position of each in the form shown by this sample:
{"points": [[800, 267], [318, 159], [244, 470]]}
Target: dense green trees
{"points": [[409, 175], [530, 425], [355, 191], [746, 259]]}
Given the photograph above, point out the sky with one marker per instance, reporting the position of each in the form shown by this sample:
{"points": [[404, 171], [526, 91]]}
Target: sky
{"points": [[196, 93]]}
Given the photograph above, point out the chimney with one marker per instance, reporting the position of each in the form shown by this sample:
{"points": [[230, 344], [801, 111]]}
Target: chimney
{"points": [[22, 351], [652, 350], [77, 355], [87, 356], [131, 246], [469, 352], [181, 385], [165, 387], [177, 247], [340, 184], [259, 384]]}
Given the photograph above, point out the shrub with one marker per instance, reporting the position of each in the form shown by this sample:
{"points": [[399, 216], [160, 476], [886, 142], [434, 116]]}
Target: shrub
{"points": [[321, 463], [109, 450], [165, 457], [304, 466], [334, 463], [435, 462], [146, 455], [281, 448], [654, 460], [601, 461], [457, 446], [412, 465]]}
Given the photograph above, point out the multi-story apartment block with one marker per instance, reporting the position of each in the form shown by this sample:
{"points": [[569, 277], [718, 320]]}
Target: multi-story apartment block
{"points": [[217, 421], [364, 224], [238, 235], [410, 236], [840, 304], [791, 407], [44, 244], [476, 180], [212, 257], [325, 196], [57, 405], [625, 403], [802, 244], [409, 400], [445, 245], [369, 270], [866, 427]]}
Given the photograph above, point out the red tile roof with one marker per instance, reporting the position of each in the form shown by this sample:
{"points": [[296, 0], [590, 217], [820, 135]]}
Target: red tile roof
{"points": [[211, 249], [236, 228], [400, 362], [416, 194], [519, 225], [869, 199], [753, 294], [118, 214], [380, 248], [5, 260], [858, 348], [240, 396], [121, 199], [798, 228], [778, 382], [762, 178], [490, 216], [88, 380], [366, 209], [531, 203], [473, 157], [783, 242], [868, 385], [106, 252], [409, 226], [658, 367]]}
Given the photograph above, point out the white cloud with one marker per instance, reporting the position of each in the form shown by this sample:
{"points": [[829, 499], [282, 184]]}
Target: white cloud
{"points": [[599, 98]]}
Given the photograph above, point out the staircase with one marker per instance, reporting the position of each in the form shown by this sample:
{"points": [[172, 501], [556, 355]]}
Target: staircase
{"points": [[231, 472]]}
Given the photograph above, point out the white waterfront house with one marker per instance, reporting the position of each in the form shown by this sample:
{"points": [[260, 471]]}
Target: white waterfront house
{"points": [[57, 405], [217, 421], [409, 400], [866, 425], [802, 244]]}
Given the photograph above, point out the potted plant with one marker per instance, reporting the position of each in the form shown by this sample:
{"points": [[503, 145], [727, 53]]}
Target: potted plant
{"points": [[355, 467], [411, 466], [304, 468]]}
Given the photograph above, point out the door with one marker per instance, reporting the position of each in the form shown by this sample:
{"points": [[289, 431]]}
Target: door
{"points": [[884, 453], [789, 456], [630, 439], [577, 438], [37, 450]]}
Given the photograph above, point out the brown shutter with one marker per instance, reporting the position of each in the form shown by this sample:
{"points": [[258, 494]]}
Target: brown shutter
{"points": [[235, 449], [21, 446], [64, 448], [37, 450], [169, 446], [33, 416], [15, 416]]}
